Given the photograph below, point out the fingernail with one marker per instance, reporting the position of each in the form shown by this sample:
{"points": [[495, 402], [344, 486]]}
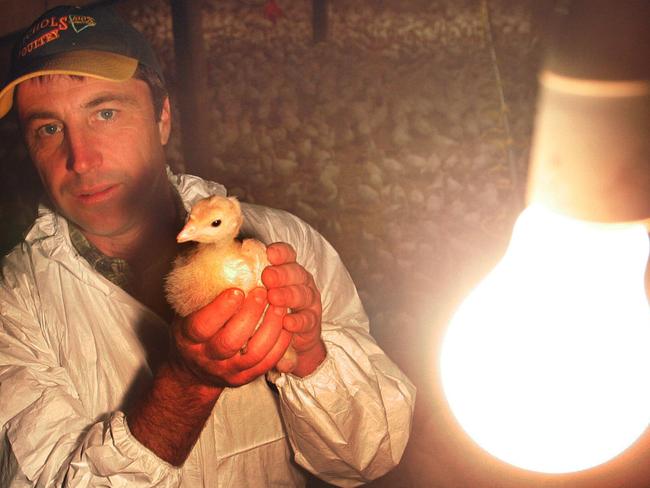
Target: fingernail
{"points": [[235, 296]]}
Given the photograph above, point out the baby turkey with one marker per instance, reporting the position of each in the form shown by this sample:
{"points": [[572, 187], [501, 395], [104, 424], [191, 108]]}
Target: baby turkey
{"points": [[219, 261]]}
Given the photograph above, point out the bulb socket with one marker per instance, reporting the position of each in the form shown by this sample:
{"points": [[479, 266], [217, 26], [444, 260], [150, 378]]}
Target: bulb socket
{"points": [[590, 156]]}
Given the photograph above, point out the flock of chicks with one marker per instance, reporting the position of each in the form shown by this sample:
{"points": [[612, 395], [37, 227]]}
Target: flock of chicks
{"points": [[391, 131], [365, 129]]}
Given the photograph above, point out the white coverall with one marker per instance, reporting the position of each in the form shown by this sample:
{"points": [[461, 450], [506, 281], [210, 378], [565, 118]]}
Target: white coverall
{"points": [[74, 349]]}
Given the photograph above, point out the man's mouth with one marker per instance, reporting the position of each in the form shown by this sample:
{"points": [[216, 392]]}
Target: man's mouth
{"points": [[96, 194]]}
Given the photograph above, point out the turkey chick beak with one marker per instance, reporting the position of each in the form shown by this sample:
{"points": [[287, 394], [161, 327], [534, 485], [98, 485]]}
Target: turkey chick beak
{"points": [[187, 233]]}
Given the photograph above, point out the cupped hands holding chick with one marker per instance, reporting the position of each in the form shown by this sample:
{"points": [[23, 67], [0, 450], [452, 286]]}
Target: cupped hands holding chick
{"points": [[211, 340], [229, 329]]}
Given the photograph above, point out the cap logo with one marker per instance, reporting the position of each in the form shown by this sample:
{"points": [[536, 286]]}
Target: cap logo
{"points": [[55, 26], [81, 22]]}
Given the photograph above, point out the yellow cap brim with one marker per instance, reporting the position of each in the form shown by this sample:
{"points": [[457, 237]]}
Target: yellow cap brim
{"points": [[95, 64]]}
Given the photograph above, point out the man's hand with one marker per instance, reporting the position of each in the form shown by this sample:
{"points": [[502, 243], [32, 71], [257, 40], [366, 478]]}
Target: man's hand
{"points": [[291, 286], [207, 356], [219, 344]]}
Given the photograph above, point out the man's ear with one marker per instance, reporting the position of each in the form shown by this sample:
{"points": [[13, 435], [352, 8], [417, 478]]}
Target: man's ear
{"points": [[165, 122]]}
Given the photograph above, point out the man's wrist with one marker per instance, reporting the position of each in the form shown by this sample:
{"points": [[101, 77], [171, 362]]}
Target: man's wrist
{"points": [[310, 360], [182, 377], [169, 418]]}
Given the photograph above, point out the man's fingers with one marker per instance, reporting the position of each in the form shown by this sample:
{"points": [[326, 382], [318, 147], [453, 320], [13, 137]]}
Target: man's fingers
{"points": [[202, 324], [274, 355], [280, 252], [264, 339], [296, 297], [285, 274], [301, 322], [230, 338]]}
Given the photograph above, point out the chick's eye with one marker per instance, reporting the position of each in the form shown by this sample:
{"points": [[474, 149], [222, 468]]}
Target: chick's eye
{"points": [[216, 223]]}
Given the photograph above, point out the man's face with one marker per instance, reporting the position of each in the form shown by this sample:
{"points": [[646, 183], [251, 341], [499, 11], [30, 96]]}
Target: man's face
{"points": [[98, 149]]}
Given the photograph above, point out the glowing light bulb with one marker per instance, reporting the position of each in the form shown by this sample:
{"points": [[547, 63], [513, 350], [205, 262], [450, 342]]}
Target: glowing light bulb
{"points": [[546, 365]]}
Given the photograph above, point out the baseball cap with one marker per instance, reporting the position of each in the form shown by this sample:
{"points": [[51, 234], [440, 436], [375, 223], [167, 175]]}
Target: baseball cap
{"points": [[86, 41]]}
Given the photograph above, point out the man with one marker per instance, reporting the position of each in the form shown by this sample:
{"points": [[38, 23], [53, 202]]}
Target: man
{"points": [[92, 390]]}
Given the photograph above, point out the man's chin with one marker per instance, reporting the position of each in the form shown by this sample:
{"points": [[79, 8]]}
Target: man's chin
{"points": [[103, 225]]}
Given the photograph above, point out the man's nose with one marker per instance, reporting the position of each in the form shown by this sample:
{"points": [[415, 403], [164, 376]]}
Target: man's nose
{"points": [[83, 153]]}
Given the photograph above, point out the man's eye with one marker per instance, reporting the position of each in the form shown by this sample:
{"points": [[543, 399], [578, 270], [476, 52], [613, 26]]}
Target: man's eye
{"points": [[49, 129], [106, 114]]}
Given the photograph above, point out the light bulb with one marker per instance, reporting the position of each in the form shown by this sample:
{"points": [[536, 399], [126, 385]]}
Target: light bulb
{"points": [[546, 365]]}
